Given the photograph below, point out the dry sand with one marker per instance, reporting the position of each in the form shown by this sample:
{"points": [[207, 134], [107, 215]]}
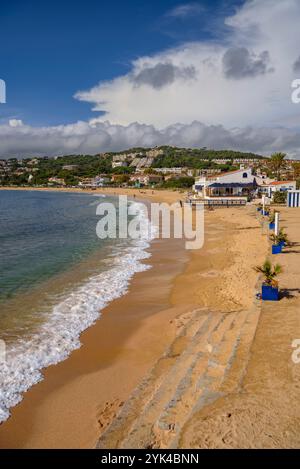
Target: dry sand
{"points": [[264, 412], [193, 314]]}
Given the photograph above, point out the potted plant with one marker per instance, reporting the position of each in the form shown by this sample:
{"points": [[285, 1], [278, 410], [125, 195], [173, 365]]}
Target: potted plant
{"points": [[265, 212], [279, 241], [270, 289], [272, 221], [282, 238]]}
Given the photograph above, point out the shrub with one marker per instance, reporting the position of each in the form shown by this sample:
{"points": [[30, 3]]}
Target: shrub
{"points": [[280, 197]]}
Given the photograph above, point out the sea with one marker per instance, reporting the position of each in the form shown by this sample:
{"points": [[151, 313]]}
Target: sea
{"points": [[56, 276]]}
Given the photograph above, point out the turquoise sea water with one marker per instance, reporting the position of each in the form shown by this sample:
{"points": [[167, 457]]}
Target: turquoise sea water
{"points": [[42, 234]]}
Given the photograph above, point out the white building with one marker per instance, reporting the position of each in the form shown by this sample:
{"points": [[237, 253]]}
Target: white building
{"points": [[147, 179], [171, 170], [275, 186], [239, 183], [56, 181], [98, 181], [119, 164], [117, 158]]}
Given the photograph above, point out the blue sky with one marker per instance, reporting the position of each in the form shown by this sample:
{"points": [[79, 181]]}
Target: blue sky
{"points": [[55, 48], [91, 76]]}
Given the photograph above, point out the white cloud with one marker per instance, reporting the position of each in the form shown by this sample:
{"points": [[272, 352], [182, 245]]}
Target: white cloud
{"points": [[184, 10], [15, 122], [265, 33], [237, 104], [94, 137]]}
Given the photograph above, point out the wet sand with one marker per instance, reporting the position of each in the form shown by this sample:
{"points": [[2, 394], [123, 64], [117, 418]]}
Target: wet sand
{"points": [[80, 395]]}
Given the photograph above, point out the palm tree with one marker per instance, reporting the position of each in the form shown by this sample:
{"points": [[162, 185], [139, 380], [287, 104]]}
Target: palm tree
{"points": [[272, 217], [270, 272], [277, 160], [282, 237]]}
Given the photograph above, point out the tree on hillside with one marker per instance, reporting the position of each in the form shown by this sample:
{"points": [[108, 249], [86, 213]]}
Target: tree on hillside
{"points": [[296, 173], [277, 163], [150, 171]]}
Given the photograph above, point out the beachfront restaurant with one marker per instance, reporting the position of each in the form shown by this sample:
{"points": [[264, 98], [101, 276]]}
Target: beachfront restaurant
{"points": [[239, 183], [229, 189]]}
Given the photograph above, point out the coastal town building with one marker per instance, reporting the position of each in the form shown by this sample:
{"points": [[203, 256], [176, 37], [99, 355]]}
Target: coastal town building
{"points": [[239, 183], [70, 167], [98, 181], [250, 162], [150, 179], [277, 186], [118, 158], [54, 181], [207, 172], [146, 179], [171, 170], [33, 162], [142, 163], [119, 164]]}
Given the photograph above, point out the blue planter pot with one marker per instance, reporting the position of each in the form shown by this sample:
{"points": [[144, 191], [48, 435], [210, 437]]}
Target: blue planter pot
{"points": [[282, 244], [269, 293], [272, 226], [276, 249], [264, 213], [258, 209]]}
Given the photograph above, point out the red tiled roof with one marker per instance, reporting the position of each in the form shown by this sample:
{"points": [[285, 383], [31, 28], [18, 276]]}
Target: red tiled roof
{"points": [[277, 183]]}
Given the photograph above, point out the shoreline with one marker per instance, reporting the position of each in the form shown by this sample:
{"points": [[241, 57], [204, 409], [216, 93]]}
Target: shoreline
{"points": [[147, 195], [183, 281], [112, 315], [59, 329], [99, 369], [78, 400]]}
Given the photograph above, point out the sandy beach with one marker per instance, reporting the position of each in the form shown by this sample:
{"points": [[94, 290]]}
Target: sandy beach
{"points": [[149, 231], [213, 329], [263, 411]]}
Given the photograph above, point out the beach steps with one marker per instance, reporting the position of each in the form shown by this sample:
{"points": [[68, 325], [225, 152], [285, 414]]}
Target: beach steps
{"points": [[198, 367]]}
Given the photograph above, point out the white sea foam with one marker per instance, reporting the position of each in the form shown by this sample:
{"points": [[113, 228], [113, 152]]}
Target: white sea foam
{"points": [[60, 334]]}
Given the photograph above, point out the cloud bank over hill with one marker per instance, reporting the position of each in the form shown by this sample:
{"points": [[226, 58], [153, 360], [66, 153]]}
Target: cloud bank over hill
{"points": [[234, 92], [94, 137]]}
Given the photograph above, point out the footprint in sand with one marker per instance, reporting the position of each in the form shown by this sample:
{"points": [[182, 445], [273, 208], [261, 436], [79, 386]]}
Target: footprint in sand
{"points": [[108, 412]]}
